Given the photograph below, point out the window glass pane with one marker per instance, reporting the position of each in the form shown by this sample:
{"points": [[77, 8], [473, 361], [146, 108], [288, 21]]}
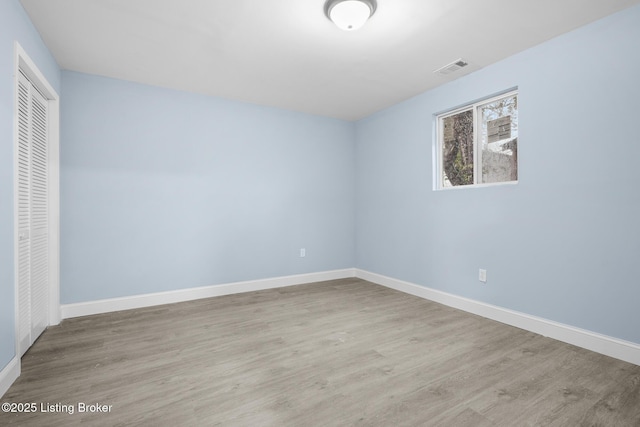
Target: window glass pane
{"points": [[499, 138], [457, 149]]}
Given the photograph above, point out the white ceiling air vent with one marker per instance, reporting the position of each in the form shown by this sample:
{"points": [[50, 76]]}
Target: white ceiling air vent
{"points": [[450, 68]]}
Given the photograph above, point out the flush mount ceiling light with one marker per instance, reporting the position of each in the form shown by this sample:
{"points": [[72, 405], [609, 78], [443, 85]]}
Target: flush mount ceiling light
{"points": [[349, 15]]}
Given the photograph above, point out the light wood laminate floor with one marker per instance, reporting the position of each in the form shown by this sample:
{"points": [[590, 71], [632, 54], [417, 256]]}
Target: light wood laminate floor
{"points": [[338, 353]]}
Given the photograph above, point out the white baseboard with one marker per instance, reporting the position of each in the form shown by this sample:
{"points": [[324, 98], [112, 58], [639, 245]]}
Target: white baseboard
{"points": [[9, 374], [614, 347], [603, 344], [169, 297]]}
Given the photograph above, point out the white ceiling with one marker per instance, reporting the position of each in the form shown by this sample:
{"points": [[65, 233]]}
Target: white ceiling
{"points": [[286, 53]]}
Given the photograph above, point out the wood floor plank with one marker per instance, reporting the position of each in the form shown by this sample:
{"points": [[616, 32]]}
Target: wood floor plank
{"points": [[337, 353]]}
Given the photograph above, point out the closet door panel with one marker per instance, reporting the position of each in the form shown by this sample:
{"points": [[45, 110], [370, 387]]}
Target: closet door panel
{"points": [[24, 216], [39, 216]]}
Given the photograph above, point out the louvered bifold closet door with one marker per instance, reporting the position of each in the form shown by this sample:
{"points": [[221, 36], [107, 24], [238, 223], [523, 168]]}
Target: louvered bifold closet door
{"points": [[39, 215], [33, 214], [24, 217]]}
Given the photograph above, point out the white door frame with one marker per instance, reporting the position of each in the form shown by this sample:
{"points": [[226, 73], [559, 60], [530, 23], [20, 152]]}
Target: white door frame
{"points": [[24, 63]]}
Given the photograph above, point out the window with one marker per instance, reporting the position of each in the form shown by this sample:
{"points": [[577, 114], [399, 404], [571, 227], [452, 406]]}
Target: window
{"points": [[478, 143]]}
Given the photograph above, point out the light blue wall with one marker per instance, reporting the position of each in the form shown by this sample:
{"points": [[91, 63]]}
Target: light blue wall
{"points": [[14, 26], [163, 190], [564, 243]]}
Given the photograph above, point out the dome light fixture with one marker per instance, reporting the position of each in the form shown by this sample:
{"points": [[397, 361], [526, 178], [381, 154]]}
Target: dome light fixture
{"points": [[349, 15]]}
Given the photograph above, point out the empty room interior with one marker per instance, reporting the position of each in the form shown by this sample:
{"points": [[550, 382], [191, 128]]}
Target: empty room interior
{"points": [[319, 212]]}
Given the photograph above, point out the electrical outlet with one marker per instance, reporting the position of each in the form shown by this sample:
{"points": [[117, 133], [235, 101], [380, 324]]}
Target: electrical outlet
{"points": [[482, 275], [303, 252]]}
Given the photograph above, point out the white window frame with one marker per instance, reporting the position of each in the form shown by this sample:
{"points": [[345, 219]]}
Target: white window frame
{"points": [[477, 148]]}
